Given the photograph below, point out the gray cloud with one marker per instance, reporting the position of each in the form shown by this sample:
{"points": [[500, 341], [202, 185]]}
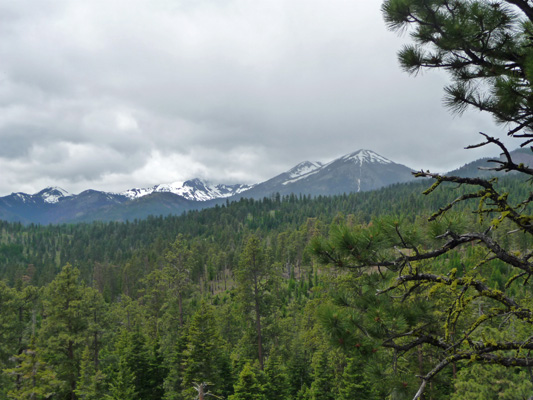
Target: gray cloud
{"points": [[115, 94]]}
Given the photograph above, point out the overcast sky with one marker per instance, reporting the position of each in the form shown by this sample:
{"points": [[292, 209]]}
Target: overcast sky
{"points": [[115, 94]]}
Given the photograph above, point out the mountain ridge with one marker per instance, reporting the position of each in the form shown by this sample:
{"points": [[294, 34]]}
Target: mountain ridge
{"points": [[362, 170]]}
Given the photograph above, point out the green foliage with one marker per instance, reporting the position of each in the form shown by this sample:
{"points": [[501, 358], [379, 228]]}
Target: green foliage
{"points": [[485, 46], [277, 379], [354, 384], [492, 382], [257, 281], [63, 331], [202, 356], [122, 385], [249, 385], [91, 382], [155, 308], [322, 387], [34, 378]]}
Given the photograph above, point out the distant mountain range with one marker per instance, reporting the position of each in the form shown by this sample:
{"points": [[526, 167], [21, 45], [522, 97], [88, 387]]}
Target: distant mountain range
{"points": [[359, 171]]}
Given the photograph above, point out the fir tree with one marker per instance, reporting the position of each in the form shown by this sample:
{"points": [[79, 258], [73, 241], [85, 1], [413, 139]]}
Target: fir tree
{"points": [[173, 384], [277, 379], [256, 278], [323, 378], [90, 385], [34, 378], [177, 269], [122, 385], [354, 384], [248, 386], [64, 328], [202, 357]]}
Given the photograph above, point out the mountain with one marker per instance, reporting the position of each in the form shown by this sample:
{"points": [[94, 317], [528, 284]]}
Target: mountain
{"points": [[359, 171], [355, 172], [481, 168], [195, 189], [55, 205]]}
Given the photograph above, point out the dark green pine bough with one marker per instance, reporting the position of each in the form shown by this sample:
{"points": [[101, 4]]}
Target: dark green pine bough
{"points": [[487, 49]]}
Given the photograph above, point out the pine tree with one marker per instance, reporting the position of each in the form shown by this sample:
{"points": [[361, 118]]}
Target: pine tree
{"points": [[173, 384], [34, 378], [299, 368], [354, 384], [256, 278], [90, 385], [177, 269], [122, 385], [138, 361], [64, 328], [277, 378], [248, 386], [484, 45], [202, 357], [323, 378]]}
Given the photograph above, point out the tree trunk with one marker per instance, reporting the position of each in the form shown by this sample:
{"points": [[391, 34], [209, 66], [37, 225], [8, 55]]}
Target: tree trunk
{"points": [[180, 307], [258, 326]]}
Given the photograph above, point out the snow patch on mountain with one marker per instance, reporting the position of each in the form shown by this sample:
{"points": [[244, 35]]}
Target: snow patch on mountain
{"points": [[366, 156], [358, 157], [195, 189], [303, 168], [22, 196], [52, 195]]}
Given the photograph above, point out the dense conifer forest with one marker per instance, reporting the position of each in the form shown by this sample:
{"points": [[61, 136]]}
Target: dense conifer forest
{"points": [[238, 302], [391, 294]]}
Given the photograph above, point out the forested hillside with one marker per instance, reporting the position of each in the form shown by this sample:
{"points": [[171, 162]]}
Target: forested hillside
{"points": [[236, 301]]}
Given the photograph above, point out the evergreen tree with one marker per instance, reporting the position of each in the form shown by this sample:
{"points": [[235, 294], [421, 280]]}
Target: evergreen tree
{"points": [[299, 368], [484, 45], [322, 387], [91, 382], [202, 357], [138, 360], [177, 269], [248, 386], [492, 382], [255, 279], [173, 384], [34, 378], [64, 328], [122, 385], [277, 378], [354, 384]]}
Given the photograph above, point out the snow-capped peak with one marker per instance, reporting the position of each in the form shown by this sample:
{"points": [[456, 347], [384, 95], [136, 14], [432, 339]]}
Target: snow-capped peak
{"points": [[366, 156], [52, 194], [303, 168], [194, 189]]}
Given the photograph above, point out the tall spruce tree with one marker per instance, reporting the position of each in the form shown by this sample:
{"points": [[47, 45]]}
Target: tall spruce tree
{"points": [[34, 378], [354, 383], [249, 385], [256, 279], [122, 384], [91, 382], [63, 332], [322, 387], [277, 378], [177, 270], [202, 356]]}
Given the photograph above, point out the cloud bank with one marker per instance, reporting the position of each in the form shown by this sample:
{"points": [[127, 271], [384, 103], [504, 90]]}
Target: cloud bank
{"points": [[116, 94]]}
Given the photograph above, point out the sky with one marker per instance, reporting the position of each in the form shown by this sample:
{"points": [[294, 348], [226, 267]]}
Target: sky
{"points": [[116, 94]]}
